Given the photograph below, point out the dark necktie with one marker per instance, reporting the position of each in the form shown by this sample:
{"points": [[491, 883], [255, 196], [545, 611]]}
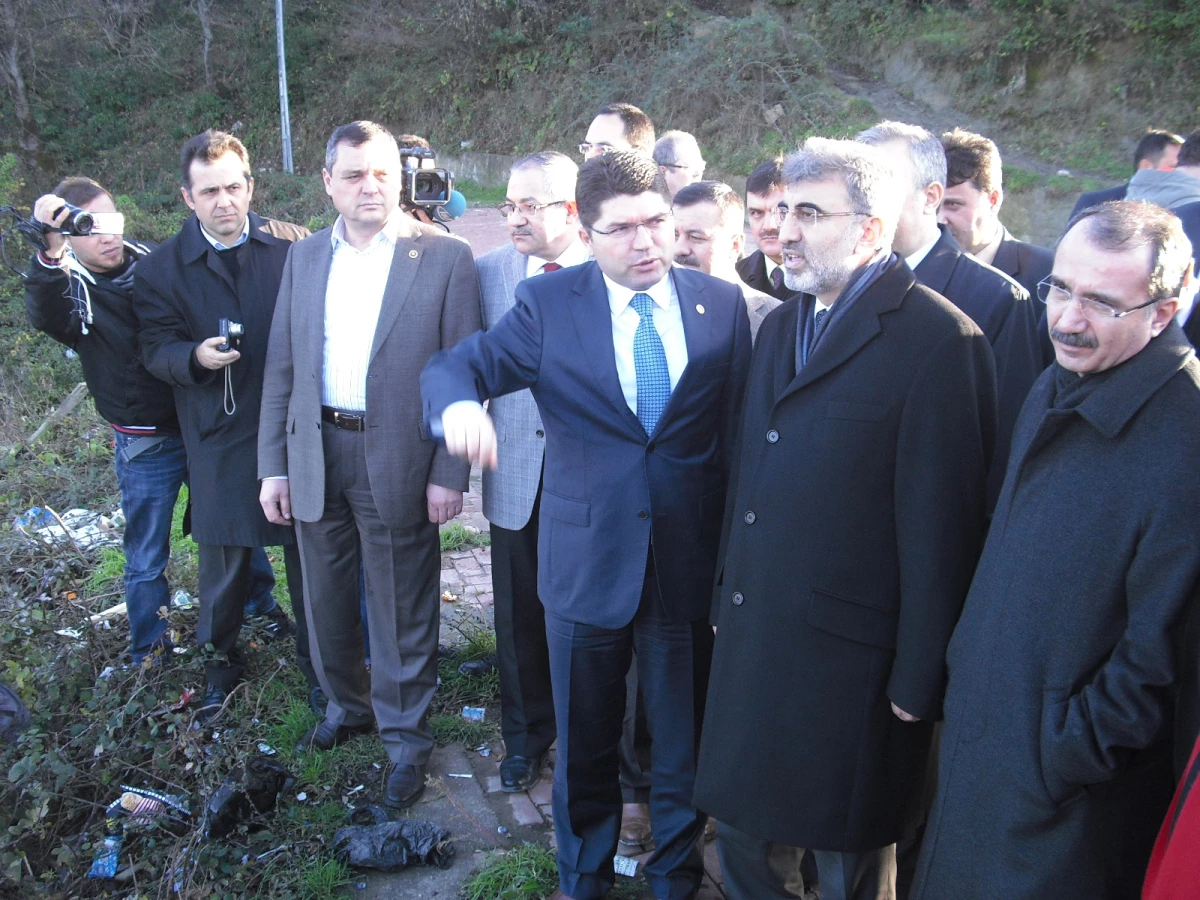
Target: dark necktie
{"points": [[551, 267], [777, 279], [649, 365], [817, 320]]}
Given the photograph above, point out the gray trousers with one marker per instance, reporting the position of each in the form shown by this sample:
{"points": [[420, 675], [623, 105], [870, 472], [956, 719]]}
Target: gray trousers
{"points": [[754, 869], [402, 569]]}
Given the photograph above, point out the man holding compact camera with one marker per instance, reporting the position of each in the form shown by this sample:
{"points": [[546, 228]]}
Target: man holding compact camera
{"points": [[205, 300]]}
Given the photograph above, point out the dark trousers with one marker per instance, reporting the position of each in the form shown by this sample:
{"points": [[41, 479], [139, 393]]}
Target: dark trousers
{"points": [[589, 664], [225, 578], [526, 701], [634, 750], [754, 869], [401, 567]]}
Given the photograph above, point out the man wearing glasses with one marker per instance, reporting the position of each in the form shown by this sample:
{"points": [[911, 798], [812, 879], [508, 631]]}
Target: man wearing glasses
{"points": [[618, 126], [637, 369], [543, 223], [1066, 683], [868, 425], [678, 157]]}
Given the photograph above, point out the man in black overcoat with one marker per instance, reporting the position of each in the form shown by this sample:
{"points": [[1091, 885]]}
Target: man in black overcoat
{"points": [[225, 263], [1056, 750], [868, 426], [763, 269]]}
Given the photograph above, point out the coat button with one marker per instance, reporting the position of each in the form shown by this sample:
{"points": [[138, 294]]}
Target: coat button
{"points": [[540, 433], [738, 598], [772, 436], [750, 517], [642, 514]]}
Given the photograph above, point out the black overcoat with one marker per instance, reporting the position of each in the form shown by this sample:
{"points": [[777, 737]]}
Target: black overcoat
{"points": [[181, 292], [852, 530], [752, 270], [1055, 771]]}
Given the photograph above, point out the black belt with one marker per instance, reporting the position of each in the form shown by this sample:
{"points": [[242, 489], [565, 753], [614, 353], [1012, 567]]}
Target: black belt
{"points": [[348, 421]]}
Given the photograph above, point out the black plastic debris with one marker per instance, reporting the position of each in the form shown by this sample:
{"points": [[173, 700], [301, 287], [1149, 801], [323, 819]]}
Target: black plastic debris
{"points": [[249, 790], [14, 717], [389, 844]]}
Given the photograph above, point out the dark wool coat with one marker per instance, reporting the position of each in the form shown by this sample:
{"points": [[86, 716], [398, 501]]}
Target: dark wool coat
{"points": [[1055, 765], [180, 293], [851, 534], [753, 271]]}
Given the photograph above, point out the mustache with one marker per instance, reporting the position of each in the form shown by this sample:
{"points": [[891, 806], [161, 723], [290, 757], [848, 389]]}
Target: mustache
{"points": [[1087, 341], [520, 232], [769, 233], [688, 259]]}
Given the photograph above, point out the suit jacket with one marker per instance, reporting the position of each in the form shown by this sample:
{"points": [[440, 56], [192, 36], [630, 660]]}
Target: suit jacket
{"points": [[1028, 264], [1095, 198], [431, 301], [1008, 317], [1189, 215], [758, 305], [855, 519], [180, 293], [753, 271], [608, 485]]}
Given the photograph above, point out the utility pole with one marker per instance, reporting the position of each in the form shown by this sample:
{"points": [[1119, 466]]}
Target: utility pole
{"points": [[285, 118]]}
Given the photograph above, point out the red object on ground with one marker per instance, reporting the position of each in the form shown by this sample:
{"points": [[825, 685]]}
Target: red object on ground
{"points": [[1174, 872]]}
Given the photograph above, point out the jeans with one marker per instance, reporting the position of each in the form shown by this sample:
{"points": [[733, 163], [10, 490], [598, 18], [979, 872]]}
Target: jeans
{"points": [[262, 585], [149, 485]]}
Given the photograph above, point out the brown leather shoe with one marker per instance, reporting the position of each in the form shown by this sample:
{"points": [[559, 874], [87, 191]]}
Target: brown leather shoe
{"points": [[635, 825]]}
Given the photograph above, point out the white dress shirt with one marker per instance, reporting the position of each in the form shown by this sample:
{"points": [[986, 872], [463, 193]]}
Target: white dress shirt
{"points": [[771, 266], [576, 254], [668, 322], [919, 257], [245, 235], [353, 298]]}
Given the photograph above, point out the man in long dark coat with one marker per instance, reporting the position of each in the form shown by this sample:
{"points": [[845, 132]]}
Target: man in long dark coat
{"points": [[851, 534], [1055, 760], [225, 263]]}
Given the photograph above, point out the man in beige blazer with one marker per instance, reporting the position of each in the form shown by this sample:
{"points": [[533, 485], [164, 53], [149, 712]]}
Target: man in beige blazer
{"points": [[343, 453]]}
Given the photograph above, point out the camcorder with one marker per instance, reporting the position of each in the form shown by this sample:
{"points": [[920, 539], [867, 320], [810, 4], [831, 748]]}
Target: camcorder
{"points": [[81, 222], [425, 185], [232, 333]]}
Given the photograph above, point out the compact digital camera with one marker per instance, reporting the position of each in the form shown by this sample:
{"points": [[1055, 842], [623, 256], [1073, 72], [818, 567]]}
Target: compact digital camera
{"points": [[232, 332]]}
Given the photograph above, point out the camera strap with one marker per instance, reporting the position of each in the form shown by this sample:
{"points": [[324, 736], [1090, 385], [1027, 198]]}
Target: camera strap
{"points": [[229, 402]]}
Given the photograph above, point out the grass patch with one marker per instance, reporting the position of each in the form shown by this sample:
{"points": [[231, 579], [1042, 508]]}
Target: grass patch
{"points": [[1018, 181], [528, 872], [324, 879], [109, 571], [457, 536], [481, 195]]}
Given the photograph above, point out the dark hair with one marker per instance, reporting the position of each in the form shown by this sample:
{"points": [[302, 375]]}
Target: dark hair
{"points": [[725, 198], [355, 134], [617, 173], [1153, 145], [766, 178], [1122, 225], [410, 142], [974, 158], [79, 191], [1189, 153], [639, 130], [208, 147]]}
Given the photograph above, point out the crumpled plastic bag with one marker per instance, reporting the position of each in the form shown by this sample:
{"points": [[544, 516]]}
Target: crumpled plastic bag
{"points": [[390, 845], [250, 789], [14, 717]]}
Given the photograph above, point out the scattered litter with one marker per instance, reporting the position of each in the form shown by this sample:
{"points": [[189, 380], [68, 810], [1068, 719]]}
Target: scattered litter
{"points": [[248, 790], [501, 830], [73, 633], [449, 596], [389, 845], [266, 749], [354, 791], [184, 699], [474, 713], [82, 527], [1064, 172], [485, 752], [263, 856], [181, 599], [625, 865], [302, 796], [377, 765], [457, 775], [135, 806], [14, 716], [360, 886]]}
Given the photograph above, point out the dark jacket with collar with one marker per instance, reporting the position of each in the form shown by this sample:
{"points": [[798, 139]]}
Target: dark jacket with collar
{"points": [[1008, 317], [854, 520], [1095, 198], [1189, 215], [181, 292], [753, 270], [1028, 264], [1055, 767], [59, 301]]}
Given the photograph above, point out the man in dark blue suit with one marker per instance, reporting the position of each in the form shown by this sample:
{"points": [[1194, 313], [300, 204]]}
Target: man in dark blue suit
{"points": [[638, 371], [1156, 150]]}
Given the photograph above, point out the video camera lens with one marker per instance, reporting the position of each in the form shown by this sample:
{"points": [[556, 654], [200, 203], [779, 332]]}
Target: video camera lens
{"points": [[78, 223]]}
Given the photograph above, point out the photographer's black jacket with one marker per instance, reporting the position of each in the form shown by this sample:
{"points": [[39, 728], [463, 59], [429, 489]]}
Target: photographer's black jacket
{"points": [[93, 315]]}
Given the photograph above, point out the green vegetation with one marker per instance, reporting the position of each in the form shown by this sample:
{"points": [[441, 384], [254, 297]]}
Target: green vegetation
{"points": [[456, 536]]}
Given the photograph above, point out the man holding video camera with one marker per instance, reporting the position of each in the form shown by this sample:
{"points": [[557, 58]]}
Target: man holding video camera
{"points": [[205, 300]]}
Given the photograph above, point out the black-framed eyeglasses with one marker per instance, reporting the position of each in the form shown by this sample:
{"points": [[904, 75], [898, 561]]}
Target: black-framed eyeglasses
{"points": [[507, 208], [626, 230], [1054, 294], [679, 166], [808, 215], [600, 147]]}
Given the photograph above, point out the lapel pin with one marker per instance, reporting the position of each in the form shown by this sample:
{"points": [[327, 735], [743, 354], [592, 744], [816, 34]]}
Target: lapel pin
{"points": [[700, 308], [412, 254]]}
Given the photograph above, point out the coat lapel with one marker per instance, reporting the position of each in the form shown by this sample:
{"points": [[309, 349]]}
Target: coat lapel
{"points": [[195, 246], [697, 332], [405, 264], [936, 269], [514, 271]]}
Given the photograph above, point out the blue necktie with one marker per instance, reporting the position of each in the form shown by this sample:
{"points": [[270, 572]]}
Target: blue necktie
{"points": [[649, 365]]}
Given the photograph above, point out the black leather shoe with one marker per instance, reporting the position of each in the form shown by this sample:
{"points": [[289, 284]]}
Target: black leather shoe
{"points": [[278, 625], [520, 773], [325, 735], [477, 668], [317, 701], [210, 705], [405, 784]]}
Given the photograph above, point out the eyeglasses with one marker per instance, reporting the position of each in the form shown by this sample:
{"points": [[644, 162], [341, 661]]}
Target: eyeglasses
{"points": [[507, 208], [809, 216], [679, 166], [626, 230], [1054, 294], [600, 147]]}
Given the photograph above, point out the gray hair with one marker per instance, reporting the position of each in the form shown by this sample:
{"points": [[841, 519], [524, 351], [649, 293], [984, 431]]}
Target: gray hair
{"points": [[355, 134], [926, 151], [559, 173], [674, 144], [871, 182], [1124, 225]]}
